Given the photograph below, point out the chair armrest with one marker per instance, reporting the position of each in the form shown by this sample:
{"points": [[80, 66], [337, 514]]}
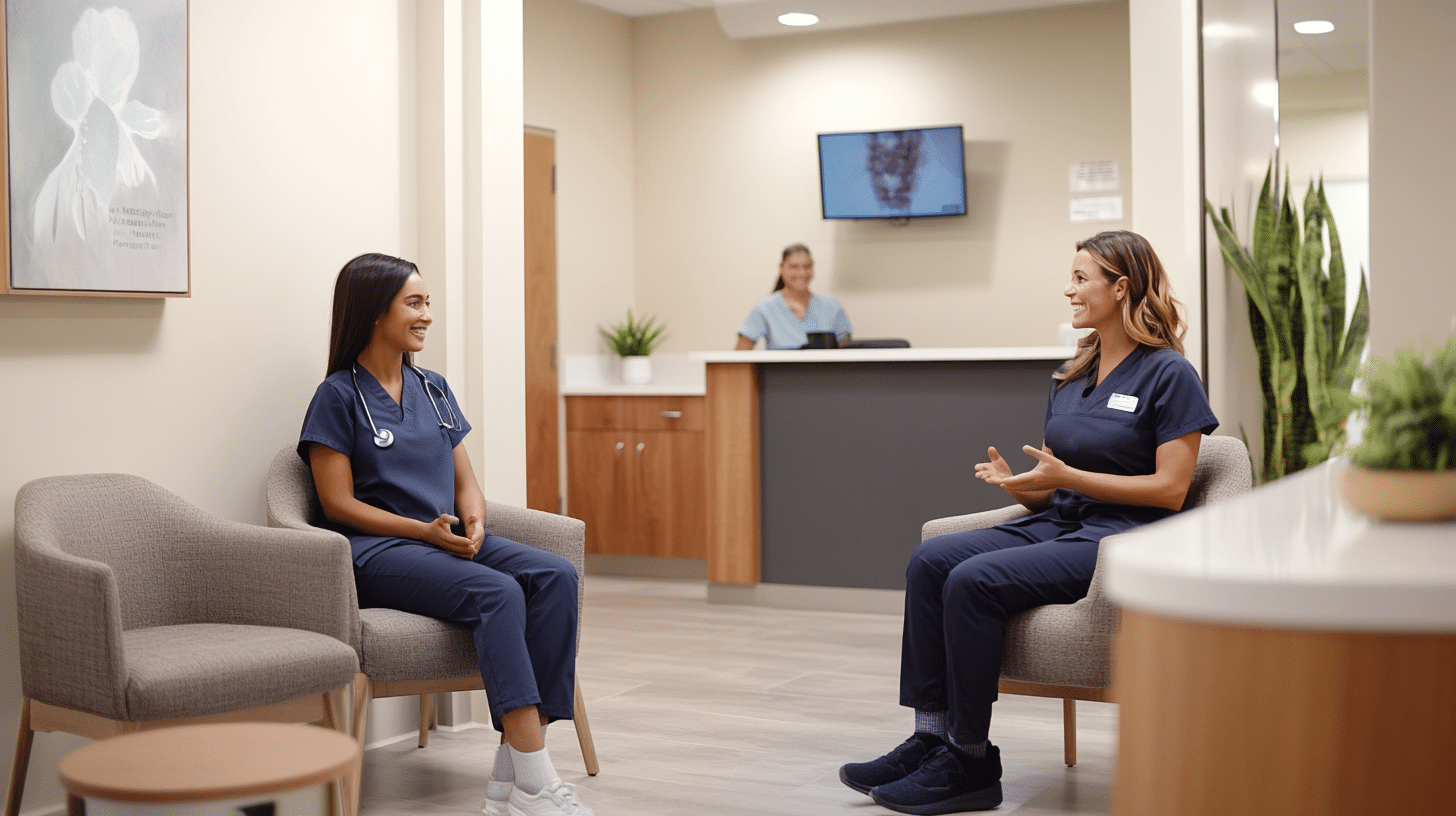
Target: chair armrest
{"points": [[971, 521], [560, 535], [72, 653], [266, 576]]}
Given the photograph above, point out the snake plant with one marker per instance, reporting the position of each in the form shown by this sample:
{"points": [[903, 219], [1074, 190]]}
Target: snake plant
{"points": [[1308, 354]]}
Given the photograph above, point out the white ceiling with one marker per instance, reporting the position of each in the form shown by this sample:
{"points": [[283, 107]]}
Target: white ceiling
{"points": [[1344, 49]]}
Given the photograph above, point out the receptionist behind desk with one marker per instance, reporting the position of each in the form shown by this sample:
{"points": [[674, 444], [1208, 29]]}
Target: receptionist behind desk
{"points": [[785, 317]]}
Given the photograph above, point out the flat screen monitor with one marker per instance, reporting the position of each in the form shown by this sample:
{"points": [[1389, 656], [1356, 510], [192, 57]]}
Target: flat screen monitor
{"points": [[910, 173]]}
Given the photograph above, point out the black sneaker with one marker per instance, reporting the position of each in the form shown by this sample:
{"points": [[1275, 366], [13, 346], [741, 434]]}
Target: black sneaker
{"points": [[946, 782], [896, 765]]}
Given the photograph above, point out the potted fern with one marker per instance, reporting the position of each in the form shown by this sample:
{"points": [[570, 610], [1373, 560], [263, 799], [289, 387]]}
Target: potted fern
{"points": [[1308, 352], [634, 341], [1404, 468]]}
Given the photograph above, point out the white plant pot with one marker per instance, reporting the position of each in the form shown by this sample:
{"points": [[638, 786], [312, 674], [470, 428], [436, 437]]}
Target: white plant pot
{"points": [[637, 370]]}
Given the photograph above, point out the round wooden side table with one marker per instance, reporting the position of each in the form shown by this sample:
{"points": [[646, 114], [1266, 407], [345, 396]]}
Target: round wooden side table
{"points": [[223, 769]]}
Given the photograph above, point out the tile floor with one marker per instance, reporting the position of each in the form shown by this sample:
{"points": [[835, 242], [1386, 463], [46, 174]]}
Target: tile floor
{"points": [[727, 710]]}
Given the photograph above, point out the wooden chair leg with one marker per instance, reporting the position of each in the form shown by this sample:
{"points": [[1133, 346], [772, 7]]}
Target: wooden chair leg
{"points": [[358, 726], [22, 760], [583, 733], [427, 717], [1069, 731]]}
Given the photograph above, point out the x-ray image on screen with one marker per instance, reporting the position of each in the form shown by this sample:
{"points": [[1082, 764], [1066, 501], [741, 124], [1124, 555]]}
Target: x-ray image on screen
{"points": [[893, 173]]}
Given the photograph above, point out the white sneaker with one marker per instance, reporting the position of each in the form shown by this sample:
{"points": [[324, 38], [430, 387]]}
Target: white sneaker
{"points": [[497, 797], [557, 798]]}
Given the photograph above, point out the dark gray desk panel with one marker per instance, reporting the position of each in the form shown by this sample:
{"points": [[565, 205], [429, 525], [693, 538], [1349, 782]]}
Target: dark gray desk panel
{"points": [[857, 456]]}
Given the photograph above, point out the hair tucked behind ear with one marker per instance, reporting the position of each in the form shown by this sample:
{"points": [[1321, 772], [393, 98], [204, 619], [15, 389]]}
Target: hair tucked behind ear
{"points": [[362, 294], [1150, 314]]}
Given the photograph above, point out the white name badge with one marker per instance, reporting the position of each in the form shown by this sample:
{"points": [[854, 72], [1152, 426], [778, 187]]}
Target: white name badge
{"points": [[1122, 402]]}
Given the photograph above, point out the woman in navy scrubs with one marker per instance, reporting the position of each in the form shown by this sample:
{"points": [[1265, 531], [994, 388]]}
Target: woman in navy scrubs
{"points": [[383, 440], [1123, 424]]}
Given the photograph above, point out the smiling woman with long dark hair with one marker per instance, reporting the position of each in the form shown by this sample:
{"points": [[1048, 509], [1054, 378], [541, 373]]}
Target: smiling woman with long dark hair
{"points": [[384, 440]]}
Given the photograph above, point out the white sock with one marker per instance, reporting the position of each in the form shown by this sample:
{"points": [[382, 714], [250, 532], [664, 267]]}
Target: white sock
{"points": [[504, 770], [534, 770]]}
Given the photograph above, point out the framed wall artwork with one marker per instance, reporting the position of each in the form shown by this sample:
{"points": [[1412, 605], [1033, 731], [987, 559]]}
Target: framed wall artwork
{"points": [[94, 125]]}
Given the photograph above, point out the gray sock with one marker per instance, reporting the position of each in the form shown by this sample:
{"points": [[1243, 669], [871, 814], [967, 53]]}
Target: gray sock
{"points": [[931, 722], [976, 750]]}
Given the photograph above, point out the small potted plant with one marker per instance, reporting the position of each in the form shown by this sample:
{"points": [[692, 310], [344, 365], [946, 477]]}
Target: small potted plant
{"points": [[1405, 466], [633, 341]]}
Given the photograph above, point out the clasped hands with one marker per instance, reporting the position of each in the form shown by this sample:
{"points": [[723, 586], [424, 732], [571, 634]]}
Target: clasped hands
{"points": [[440, 534], [1049, 473]]}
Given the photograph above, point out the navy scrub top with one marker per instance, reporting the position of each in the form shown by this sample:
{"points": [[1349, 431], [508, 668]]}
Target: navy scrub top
{"points": [[415, 476], [1151, 397]]}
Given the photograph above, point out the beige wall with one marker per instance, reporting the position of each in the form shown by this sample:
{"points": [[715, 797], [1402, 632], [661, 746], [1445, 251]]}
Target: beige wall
{"points": [[727, 168], [303, 154], [579, 84], [1412, 290]]}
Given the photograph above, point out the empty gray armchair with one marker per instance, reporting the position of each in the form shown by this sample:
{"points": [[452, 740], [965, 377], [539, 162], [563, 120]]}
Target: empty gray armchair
{"points": [[138, 611], [1065, 650], [401, 653]]}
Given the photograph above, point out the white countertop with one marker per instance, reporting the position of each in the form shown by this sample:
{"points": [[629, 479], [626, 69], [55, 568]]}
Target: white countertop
{"points": [[1289, 555], [1058, 353]]}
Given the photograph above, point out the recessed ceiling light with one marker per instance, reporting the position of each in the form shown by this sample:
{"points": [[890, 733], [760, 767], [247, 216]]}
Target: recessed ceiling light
{"points": [[1314, 27], [798, 18]]}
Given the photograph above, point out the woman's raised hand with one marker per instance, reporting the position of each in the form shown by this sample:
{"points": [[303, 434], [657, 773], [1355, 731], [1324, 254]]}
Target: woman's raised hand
{"points": [[995, 471], [439, 534]]}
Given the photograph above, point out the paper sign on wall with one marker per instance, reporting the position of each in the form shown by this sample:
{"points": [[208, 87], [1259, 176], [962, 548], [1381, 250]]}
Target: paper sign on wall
{"points": [[1094, 176], [1096, 208]]}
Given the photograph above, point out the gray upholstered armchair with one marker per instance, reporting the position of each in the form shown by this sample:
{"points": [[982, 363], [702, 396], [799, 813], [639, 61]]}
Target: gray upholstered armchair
{"points": [[138, 611], [1064, 650], [401, 653]]}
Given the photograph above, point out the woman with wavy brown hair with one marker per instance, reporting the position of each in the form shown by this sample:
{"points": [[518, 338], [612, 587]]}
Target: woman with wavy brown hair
{"points": [[1123, 424]]}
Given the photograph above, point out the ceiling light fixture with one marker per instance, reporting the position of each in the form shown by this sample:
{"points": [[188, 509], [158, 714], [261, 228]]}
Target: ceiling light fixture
{"points": [[798, 18], [1314, 27]]}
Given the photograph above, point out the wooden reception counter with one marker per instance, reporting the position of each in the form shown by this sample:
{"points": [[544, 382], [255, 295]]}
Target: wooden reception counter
{"points": [[1281, 654], [823, 464]]}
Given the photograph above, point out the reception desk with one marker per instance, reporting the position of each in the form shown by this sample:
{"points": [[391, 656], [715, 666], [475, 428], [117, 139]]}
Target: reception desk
{"points": [[823, 464], [1281, 654]]}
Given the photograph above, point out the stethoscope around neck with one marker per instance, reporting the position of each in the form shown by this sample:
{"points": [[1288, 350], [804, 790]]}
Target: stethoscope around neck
{"points": [[383, 437]]}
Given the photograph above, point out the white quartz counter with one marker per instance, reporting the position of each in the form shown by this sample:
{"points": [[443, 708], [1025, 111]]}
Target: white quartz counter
{"points": [[885, 355], [1289, 555]]}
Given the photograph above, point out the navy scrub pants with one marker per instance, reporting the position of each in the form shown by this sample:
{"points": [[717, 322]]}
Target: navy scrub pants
{"points": [[519, 601], [961, 589]]}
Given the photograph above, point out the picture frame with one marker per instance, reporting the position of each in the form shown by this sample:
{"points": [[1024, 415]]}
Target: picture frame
{"points": [[94, 123]]}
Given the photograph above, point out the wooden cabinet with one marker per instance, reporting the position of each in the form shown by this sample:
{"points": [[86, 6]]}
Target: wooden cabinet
{"points": [[635, 474]]}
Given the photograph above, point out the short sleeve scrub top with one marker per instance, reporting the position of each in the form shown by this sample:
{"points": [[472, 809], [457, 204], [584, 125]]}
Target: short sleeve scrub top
{"points": [[414, 476], [1152, 397], [771, 318], [520, 602]]}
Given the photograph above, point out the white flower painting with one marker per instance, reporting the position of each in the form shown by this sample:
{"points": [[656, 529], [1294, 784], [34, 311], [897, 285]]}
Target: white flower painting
{"points": [[90, 94], [98, 148]]}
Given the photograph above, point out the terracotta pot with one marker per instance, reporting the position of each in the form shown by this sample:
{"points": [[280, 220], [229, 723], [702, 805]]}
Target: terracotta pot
{"points": [[1400, 495]]}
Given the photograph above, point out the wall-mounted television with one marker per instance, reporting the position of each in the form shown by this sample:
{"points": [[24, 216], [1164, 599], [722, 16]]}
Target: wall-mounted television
{"points": [[912, 173]]}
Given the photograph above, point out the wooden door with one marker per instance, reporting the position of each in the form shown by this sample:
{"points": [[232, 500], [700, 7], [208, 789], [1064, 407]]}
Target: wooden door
{"points": [[543, 443]]}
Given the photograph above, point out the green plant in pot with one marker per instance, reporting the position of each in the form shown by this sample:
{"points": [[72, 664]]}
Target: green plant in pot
{"points": [[1404, 468], [1308, 353], [633, 340]]}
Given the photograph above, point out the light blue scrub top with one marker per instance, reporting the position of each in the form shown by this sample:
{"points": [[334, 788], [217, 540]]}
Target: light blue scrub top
{"points": [[415, 476], [772, 317]]}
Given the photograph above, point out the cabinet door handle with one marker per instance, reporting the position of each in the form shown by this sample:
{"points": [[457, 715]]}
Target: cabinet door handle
{"points": [[640, 446], [621, 445], [672, 414]]}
